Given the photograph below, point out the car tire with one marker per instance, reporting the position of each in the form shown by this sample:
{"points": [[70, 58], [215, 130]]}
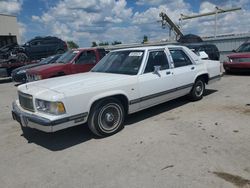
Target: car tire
{"points": [[106, 117], [22, 57], [198, 90], [228, 71]]}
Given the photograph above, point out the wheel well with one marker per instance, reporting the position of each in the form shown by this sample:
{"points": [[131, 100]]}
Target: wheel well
{"points": [[122, 98], [204, 77]]}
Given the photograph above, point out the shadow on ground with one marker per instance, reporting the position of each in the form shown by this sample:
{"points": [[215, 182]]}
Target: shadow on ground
{"points": [[5, 80], [76, 135]]}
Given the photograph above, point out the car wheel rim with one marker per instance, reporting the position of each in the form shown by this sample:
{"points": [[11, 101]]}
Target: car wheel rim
{"points": [[110, 118], [199, 88]]}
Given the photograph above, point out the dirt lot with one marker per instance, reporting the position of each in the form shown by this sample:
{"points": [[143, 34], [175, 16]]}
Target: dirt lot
{"points": [[177, 144]]}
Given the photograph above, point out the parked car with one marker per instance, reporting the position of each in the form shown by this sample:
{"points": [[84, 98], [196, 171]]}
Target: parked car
{"points": [[238, 61], [6, 50], [19, 74], [71, 62], [42, 47], [211, 49], [123, 82], [6, 67]]}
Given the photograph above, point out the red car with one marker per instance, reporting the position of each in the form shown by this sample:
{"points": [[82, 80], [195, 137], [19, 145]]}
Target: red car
{"points": [[71, 62], [240, 60]]}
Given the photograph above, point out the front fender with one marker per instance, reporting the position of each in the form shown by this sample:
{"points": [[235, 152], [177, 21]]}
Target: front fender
{"points": [[105, 95]]}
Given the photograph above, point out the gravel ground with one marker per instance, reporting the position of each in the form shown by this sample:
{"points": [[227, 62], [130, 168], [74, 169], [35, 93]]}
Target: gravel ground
{"points": [[177, 144]]}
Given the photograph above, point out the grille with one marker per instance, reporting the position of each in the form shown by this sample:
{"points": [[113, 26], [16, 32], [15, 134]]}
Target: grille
{"points": [[30, 78], [26, 101]]}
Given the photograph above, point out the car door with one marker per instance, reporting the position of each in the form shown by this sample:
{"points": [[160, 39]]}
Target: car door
{"points": [[184, 71], [84, 62], [34, 49], [155, 87]]}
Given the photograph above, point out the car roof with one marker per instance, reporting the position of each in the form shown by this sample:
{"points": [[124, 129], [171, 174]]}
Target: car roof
{"points": [[149, 47], [84, 49]]}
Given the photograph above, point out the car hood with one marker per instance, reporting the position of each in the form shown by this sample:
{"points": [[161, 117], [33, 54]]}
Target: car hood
{"points": [[81, 81], [27, 67], [239, 55], [43, 68]]}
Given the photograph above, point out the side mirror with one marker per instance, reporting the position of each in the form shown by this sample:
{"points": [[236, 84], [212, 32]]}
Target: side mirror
{"points": [[156, 70], [234, 50], [203, 55]]}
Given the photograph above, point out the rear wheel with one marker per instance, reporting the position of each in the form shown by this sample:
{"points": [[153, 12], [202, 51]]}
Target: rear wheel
{"points": [[228, 71], [198, 90], [22, 57], [106, 117]]}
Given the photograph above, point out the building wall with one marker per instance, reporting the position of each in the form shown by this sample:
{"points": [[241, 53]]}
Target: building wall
{"points": [[9, 27]]}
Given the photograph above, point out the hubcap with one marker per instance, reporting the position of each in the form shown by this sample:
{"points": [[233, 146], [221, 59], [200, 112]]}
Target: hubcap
{"points": [[199, 89], [110, 117]]}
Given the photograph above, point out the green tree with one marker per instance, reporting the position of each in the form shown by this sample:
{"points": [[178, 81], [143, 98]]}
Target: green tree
{"points": [[116, 42], [71, 44], [103, 44], [94, 44], [145, 39]]}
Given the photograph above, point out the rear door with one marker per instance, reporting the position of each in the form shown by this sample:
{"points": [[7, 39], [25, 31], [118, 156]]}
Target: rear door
{"points": [[85, 61], [184, 71], [34, 50]]}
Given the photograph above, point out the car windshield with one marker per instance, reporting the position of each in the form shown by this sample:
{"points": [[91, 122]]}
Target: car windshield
{"points": [[67, 56], [120, 62], [244, 48], [50, 59]]}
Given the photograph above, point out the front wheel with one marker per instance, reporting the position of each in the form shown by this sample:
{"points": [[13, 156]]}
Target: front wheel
{"points": [[106, 117], [198, 90]]}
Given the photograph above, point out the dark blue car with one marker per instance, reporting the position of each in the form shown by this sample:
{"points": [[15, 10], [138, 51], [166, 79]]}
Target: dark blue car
{"points": [[19, 74]]}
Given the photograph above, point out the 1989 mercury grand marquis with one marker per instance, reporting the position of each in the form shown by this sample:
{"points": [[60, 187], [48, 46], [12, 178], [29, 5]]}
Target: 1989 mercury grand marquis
{"points": [[123, 82]]}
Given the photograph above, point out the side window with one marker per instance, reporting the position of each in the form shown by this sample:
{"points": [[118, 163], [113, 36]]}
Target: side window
{"points": [[49, 41], [156, 58], [35, 43], [180, 58], [86, 57]]}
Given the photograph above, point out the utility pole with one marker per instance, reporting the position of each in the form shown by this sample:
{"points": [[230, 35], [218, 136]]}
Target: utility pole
{"points": [[216, 12]]}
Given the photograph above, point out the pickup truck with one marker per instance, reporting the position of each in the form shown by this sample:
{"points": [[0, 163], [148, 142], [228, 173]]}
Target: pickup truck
{"points": [[123, 82], [71, 62]]}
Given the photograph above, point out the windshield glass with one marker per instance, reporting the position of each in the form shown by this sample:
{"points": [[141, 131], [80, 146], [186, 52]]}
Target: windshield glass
{"points": [[244, 48], [50, 59], [121, 62], [67, 56]]}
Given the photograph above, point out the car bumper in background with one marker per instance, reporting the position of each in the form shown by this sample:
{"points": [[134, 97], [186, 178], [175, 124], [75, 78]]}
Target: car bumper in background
{"points": [[236, 66]]}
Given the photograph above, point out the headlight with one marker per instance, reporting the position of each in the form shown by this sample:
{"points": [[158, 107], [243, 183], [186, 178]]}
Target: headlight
{"points": [[55, 108], [21, 72], [230, 60]]}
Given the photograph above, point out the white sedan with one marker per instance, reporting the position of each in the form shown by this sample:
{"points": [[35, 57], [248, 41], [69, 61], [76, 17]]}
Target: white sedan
{"points": [[123, 82]]}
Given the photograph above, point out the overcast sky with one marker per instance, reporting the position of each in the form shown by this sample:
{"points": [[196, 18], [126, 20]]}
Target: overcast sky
{"points": [[84, 21]]}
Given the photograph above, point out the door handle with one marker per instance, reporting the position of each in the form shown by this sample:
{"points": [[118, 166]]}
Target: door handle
{"points": [[168, 72], [192, 68]]}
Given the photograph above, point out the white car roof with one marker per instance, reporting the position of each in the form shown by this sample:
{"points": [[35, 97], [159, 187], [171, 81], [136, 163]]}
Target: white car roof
{"points": [[148, 48]]}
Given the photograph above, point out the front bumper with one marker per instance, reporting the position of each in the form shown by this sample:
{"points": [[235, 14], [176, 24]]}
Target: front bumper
{"points": [[236, 66], [19, 77], [44, 124]]}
